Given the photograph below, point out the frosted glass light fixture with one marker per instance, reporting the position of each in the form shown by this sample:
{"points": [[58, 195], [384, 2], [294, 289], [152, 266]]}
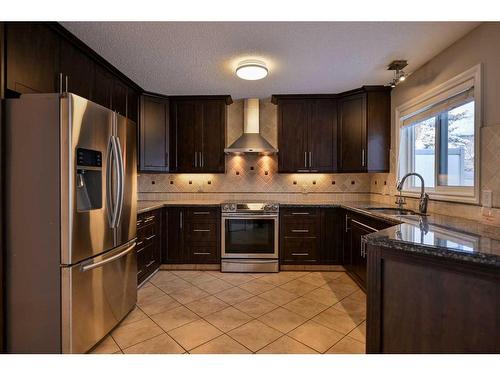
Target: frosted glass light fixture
{"points": [[252, 70]]}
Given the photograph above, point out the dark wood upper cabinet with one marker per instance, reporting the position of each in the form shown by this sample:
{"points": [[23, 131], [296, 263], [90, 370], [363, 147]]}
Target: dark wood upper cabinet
{"points": [[77, 68], [119, 97], [132, 104], [307, 130], [32, 54], [154, 134], [103, 86], [198, 134], [364, 130]]}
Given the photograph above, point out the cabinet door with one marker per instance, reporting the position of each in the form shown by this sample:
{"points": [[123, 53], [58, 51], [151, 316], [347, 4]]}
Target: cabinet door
{"points": [[78, 68], [119, 97], [153, 134], [352, 129], [331, 235], [357, 231], [185, 118], [103, 86], [322, 137], [132, 104], [299, 250], [32, 58], [292, 135], [174, 251], [211, 154]]}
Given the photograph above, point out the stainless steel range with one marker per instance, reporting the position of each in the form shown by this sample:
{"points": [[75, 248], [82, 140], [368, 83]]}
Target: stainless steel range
{"points": [[249, 237]]}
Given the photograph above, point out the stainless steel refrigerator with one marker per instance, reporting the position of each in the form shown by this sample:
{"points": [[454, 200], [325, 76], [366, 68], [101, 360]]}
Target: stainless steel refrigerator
{"points": [[71, 268]]}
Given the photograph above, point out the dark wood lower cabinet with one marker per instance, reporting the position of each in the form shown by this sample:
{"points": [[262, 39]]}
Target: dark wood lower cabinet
{"points": [[355, 227], [149, 232], [423, 304], [193, 235]]}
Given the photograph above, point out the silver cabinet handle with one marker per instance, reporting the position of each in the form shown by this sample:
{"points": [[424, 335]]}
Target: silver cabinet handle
{"points": [[363, 157], [148, 219], [310, 159], [60, 83], [300, 213], [91, 266], [300, 254], [201, 213], [201, 158], [305, 159], [201, 253], [195, 159], [300, 230], [150, 263], [347, 218], [66, 84], [363, 247], [201, 230], [150, 237], [180, 220]]}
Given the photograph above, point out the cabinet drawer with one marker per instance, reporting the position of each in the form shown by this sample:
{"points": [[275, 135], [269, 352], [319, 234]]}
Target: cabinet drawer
{"points": [[300, 212], [300, 228], [146, 235], [147, 218], [201, 231], [203, 213], [203, 253], [299, 250]]}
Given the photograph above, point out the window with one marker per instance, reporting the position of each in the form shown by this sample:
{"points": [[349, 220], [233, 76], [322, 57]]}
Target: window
{"points": [[438, 139]]}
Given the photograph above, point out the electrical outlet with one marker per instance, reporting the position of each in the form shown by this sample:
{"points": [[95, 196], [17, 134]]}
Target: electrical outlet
{"points": [[486, 198]]}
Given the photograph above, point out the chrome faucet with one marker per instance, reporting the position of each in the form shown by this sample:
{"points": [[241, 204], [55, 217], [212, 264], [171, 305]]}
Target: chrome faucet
{"points": [[424, 197]]}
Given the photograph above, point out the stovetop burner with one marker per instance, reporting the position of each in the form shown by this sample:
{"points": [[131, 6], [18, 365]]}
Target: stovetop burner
{"points": [[252, 207]]}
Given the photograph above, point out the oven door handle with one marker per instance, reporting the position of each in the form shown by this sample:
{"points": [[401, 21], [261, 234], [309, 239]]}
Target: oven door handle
{"points": [[249, 260], [250, 217]]}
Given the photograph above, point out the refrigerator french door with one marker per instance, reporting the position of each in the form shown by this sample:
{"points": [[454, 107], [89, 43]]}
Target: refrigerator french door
{"points": [[77, 248]]}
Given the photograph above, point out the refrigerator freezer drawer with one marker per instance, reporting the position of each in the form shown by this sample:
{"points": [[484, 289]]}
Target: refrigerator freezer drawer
{"points": [[96, 295]]}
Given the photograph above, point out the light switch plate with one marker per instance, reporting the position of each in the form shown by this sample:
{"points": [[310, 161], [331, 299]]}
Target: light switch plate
{"points": [[486, 198]]}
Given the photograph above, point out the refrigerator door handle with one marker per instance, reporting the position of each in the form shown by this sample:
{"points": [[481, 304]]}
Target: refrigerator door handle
{"points": [[121, 181], [91, 266], [109, 183]]}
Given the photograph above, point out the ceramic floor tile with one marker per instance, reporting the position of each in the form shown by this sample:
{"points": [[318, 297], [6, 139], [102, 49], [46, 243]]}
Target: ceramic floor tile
{"points": [[215, 286], [202, 279], [278, 278], [323, 296], [148, 294], [286, 345], [228, 319], [315, 278], [162, 277], [282, 319], [351, 306], [236, 278], [207, 305], [174, 285], [194, 334], [256, 306], [298, 287], [136, 332], [279, 296], [340, 289], [359, 333], [133, 316], [358, 296], [234, 295], [106, 346], [174, 318], [189, 294], [257, 286], [221, 345], [316, 336], [187, 275], [159, 305], [162, 344], [337, 320], [305, 307], [347, 346], [255, 335]]}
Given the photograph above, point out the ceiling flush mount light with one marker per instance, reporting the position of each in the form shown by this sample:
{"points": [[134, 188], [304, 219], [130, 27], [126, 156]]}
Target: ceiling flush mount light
{"points": [[399, 75], [252, 70]]}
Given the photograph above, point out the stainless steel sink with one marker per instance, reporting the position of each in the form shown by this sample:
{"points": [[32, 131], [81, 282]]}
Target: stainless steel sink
{"points": [[393, 211]]}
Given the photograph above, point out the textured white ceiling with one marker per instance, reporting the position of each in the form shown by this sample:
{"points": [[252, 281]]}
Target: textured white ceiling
{"points": [[176, 58]]}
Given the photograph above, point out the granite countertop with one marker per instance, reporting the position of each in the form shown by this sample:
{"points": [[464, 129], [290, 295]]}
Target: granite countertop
{"points": [[435, 234]]}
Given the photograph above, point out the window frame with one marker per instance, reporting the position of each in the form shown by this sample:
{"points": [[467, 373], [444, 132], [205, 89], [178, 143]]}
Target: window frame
{"points": [[469, 78]]}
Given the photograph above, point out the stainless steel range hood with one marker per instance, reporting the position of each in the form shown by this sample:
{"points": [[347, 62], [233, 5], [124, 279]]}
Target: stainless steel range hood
{"points": [[251, 141]]}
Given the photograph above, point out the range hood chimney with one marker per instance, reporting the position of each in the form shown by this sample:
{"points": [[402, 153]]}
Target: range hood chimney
{"points": [[251, 141]]}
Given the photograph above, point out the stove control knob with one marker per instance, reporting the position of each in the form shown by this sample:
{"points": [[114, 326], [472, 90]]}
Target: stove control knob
{"points": [[225, 207], [232, 207], [275, 207]]}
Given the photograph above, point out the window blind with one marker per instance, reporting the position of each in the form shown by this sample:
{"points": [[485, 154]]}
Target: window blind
{"points": [[443, 106]]}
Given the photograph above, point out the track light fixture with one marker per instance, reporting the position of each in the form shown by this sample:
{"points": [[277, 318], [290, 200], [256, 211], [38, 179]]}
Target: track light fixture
{"points": [[399, 74]]}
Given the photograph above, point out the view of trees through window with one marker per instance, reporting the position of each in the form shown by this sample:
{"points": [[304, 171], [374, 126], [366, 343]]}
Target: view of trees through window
{"points": [[449, 137]]}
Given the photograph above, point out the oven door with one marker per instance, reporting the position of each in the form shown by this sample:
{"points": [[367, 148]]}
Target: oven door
{"points": [[250, 236]]}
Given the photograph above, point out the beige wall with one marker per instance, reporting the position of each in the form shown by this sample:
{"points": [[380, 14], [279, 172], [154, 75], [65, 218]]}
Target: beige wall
{"points": [[481, 45]]}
